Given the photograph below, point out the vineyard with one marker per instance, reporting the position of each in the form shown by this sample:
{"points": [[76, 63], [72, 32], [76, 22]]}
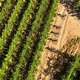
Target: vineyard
{"points": [[24, 28]]}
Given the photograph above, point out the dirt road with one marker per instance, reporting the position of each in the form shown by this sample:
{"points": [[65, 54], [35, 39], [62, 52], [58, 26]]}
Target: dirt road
{"points": [[64, 27]]}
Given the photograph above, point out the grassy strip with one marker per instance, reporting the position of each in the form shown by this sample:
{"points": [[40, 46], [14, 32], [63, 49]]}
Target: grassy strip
{"points": [[6, 12], [77, 4], [71, 72], [35, 63], [17, 39], [77, 76], [9, 28], [30, 40]]}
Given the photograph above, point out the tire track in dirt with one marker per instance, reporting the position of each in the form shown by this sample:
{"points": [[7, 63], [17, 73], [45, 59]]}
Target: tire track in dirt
{"points": [[63, 30]]}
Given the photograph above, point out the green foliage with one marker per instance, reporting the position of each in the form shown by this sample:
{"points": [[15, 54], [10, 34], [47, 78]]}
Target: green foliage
{"points": [[77, 4], [30, 40], [5, 7], [37, 20], [35, 63], [10, 26], [41, 21], [6, 11], [71, 72], [7, 31]]}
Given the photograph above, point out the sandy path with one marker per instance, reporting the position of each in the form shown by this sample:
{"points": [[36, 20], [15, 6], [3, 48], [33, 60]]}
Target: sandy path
{"points": [[70, 27]]}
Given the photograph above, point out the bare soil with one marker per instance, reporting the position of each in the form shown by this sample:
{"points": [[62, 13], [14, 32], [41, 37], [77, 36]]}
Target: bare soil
{"points": [[57, 42]]}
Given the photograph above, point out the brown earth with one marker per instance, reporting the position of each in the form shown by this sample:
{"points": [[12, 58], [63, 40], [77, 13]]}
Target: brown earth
{"points": [[58, 42]]}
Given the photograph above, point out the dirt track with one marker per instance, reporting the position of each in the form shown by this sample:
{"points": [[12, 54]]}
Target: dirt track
{"points": [[70, 27]]}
